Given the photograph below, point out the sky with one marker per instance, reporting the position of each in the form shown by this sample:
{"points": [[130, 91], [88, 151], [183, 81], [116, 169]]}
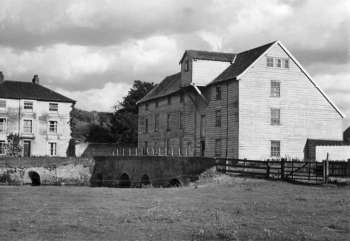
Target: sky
{"points": [[92, 51]]}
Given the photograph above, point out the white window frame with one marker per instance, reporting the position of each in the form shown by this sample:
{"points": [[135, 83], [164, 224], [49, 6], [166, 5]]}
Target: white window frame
{"points": [[275, 88], [55, 127], [218, 147], [275, 116], [28, 106], [2, 147], [31, 126], [3, 107], [269, 62], [53, 109], [275, 148], [53, 148], [278, 63], [4, 129], [286, 63], [218, 118]]}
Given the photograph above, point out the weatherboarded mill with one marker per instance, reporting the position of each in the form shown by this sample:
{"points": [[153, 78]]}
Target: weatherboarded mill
{"points": [[256, 104]]}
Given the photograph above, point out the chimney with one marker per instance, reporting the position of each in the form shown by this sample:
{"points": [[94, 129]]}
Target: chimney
{"points": [[35, 79], [2, 78]]}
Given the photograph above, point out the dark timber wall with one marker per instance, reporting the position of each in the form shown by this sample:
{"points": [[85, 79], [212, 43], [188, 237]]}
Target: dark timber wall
{"points": [[161, 170]]}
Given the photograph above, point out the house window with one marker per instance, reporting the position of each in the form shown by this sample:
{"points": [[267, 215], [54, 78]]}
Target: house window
{"points": [[181, 98], [146, 126], [278, 63], [202, 126], [189, 149], [181, 142], [218, 118], [269, 62], [27, 126], [218, 93], [168, 122], [145, 148], [53, 148], [275, 148], [217, 147], [275, 116], [167, 144], [275, 88], [157, 103], [53, 126], [169, 100], [53, 107], [156, 122], [28, 106], [2, 125], [2, 104], [146, 106], [2, 148], [286, 63], [187, 65], [181, 120]]}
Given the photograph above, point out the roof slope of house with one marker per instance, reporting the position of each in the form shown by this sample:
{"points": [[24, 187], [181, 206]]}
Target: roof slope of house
{"points": [[241, 63], [207, 55], [168, 85], [28, 90]]}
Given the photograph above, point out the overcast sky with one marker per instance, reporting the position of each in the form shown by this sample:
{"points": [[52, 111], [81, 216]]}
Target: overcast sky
{"points": [[93, 50]]}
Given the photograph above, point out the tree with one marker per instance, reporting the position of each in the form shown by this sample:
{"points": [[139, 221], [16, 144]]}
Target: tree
{"points": [[124, 123], [13, 147]]}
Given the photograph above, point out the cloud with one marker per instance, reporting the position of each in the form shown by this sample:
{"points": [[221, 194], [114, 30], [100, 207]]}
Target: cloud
{"points": [[102, 99]]}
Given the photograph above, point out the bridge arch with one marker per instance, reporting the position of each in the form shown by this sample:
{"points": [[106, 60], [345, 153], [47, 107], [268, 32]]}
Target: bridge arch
{"points": [[145, 180], [35, 178], [124, 181]]}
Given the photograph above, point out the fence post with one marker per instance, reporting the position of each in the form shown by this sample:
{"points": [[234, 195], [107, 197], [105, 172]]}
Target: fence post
{"points": [[325, 171], [283, 164], [267, 169]]}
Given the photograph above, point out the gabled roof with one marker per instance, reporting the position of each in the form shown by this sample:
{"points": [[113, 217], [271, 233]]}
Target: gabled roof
{"points": [[28, 90], [241, 63], [168, 85], [207, 55]]}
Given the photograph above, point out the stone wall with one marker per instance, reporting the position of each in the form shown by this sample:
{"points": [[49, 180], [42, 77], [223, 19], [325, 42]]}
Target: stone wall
{"points": [[52, 171]]}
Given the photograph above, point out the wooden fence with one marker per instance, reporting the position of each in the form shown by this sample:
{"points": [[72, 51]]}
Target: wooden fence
{"points": [[309, 172]]}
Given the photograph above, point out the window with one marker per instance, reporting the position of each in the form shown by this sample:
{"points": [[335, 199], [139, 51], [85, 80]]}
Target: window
{"points": [[157, 103], [53, 107], [181, 98], [218, 118], [156, 122], [168, 122], [181, 142], [275, 148], [189, 149], [2, 147], [145, 148], [146, 106], [53, 126], [286, 63], [53, 148], [278, 63], [146, 126], [202, 126], [181, 120], [28, 106], [269, 62], [187, 65], [217, 147], [275, 88], [2, 125], [2, 104], [218, 93], [167, 145], [275, 116], [27, 126], [169, 100]]}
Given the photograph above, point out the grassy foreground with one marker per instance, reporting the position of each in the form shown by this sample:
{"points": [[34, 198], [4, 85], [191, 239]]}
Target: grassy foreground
{"points": [[225, 208]]}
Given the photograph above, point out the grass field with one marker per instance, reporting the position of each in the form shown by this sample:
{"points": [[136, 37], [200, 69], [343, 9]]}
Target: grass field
{"points": [[223, 209]]}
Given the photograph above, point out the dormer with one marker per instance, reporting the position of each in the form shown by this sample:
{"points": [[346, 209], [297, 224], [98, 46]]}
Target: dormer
{"points": [[201, 67]]}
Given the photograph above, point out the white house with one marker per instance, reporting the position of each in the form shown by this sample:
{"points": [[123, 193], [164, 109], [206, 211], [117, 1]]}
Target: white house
{"points": [[40, 116]]}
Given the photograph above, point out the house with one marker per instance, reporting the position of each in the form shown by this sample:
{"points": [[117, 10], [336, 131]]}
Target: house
{"points": [[40, 116], [256, 104]]}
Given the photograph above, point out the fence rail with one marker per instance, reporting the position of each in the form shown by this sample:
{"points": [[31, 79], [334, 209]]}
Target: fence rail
{"points": [[310, 172]]}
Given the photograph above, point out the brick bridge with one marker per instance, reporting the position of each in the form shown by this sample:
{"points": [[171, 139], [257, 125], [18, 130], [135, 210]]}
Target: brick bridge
{"points": [[135, 171]]}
